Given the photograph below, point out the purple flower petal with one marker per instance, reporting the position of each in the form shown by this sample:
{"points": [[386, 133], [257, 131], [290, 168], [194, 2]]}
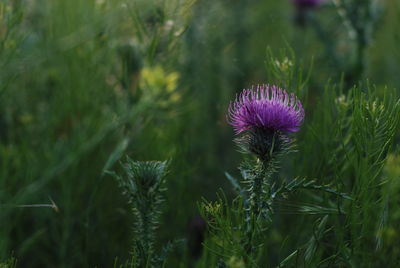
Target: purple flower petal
{"points": [[267, 107]]}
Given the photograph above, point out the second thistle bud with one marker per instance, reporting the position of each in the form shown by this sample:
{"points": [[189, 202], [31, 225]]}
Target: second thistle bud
{"points": [[143, 178], [143, 184]]}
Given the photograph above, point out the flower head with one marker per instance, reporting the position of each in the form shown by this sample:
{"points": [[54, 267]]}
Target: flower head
{"points": [[266, 108], [266, 115]]}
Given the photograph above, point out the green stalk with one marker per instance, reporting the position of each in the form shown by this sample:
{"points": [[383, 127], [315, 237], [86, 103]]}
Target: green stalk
{"points": [[261, 173]]}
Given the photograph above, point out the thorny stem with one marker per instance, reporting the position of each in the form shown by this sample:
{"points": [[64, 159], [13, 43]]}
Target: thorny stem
{"points": [[144, 241], [262, 173], [254, 210]]}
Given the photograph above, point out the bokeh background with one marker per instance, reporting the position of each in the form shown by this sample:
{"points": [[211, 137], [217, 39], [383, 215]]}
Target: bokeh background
{"points": [[85, 82]]}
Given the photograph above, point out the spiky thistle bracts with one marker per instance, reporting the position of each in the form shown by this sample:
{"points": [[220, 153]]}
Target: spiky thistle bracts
{"points": [[269, 108]]}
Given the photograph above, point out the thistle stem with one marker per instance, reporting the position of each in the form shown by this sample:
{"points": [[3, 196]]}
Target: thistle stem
{"points": [[261, 174]]}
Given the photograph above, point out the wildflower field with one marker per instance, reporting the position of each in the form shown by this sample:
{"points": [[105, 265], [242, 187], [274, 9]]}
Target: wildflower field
{"points": [[199, 133]]}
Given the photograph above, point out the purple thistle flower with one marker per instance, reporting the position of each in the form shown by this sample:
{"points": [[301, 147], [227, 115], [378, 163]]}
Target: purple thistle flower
{"points": [[307, 3], [267, 108]]}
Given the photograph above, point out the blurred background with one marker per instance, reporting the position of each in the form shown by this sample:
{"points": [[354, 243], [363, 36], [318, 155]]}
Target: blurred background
{"points": [[85, 82]]}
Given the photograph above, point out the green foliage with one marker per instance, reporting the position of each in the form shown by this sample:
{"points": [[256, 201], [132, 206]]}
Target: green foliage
{"points": [[11, 263], [227, 229], [67, 114]]}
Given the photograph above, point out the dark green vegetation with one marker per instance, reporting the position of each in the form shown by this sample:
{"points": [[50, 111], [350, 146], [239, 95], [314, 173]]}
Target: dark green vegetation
{"points": [[84, 83]]}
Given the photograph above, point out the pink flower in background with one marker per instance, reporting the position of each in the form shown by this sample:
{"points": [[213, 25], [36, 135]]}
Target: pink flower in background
{"points": [[307, 3]]}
